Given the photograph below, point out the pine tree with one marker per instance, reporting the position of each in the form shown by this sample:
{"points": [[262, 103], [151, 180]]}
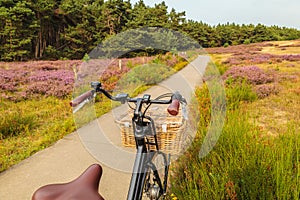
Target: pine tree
{"points": [[113, 18], [51, 24], [17, 30], [78, 35], [176, 20]]}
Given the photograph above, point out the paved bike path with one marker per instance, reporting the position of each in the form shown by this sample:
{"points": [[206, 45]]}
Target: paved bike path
{"points": [[70, 156]]}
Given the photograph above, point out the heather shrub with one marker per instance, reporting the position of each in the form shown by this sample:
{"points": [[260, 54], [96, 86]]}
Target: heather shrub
{"points": [[252, 74], [290, 57], [27, 80], [246, 58], [57, 83], [170, 59], [34, 79], [11, 79], [258, 81], [111, 75], [265, 90]]}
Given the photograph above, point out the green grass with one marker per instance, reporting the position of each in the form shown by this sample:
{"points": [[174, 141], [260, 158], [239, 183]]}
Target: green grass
{"points": [[32, 125], [239, 93], [243, 165], [43, 122], [258, 153]]}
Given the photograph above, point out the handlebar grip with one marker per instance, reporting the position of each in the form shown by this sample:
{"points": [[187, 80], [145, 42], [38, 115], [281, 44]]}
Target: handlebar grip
{"points": [[173, 108], [75, 102]]}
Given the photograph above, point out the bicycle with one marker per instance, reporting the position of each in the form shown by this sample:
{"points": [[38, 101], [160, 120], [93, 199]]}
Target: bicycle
{"points": [[147, 180]]}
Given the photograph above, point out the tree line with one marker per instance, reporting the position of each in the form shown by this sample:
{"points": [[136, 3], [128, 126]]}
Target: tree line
{"points": [[68, 29]]}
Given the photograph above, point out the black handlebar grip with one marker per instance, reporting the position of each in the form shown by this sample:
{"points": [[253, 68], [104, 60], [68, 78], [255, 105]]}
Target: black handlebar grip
{"points": [[173, 108], [75, 102]]}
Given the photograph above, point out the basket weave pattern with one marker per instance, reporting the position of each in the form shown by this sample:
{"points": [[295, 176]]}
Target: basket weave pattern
{"points": [[169, 129]]}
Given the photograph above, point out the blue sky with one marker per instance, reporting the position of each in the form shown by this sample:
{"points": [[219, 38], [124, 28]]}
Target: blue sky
{"points": [[269, 12]]}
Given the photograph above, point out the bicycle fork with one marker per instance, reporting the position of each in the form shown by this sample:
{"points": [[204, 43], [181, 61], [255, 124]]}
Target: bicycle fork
{"points": [[138, 175]]}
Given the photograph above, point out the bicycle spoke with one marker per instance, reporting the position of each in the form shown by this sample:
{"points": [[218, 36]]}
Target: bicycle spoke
{"points": [[154, 186]]}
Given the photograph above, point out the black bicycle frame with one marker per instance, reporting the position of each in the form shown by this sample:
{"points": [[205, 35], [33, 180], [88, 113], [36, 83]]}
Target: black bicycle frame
{"points": [[138, 175], [144, 155]]}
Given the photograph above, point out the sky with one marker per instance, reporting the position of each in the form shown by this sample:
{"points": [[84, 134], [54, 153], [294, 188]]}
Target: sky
{"points": [[268, 12]]}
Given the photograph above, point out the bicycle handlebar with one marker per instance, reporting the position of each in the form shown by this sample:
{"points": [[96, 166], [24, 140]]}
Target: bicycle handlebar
{"points": [[85, 96], [173, 108]]}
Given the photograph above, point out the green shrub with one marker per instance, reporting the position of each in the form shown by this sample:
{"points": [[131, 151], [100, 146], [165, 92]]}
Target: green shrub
{"points": [[148, 74], [203, 104], [130, 64], [226, 45], [157, 60], [222, 68], [51, 53], [237, 93], [86, 58], [247, 41], [180, 65]]}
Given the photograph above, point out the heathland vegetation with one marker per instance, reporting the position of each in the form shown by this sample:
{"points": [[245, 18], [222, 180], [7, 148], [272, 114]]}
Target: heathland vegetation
{"points": [[257, 155]]}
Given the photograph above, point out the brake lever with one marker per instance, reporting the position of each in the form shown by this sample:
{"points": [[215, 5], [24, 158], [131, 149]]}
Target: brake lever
{"points": [[122, 97], [184, 111], [183, 103]]}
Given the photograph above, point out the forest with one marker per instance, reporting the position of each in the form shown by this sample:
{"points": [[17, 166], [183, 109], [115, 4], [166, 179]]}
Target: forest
{"points": [[68, 29]]}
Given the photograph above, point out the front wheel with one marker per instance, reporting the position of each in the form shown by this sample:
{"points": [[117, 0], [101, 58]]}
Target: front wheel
{"points": [[156, 177]]}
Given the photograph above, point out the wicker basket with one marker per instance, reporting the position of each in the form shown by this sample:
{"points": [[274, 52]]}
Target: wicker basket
{"points": [[169, 129]]}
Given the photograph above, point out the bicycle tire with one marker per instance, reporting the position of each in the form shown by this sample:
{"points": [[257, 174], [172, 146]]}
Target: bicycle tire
{"points": [[158, 167]]}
